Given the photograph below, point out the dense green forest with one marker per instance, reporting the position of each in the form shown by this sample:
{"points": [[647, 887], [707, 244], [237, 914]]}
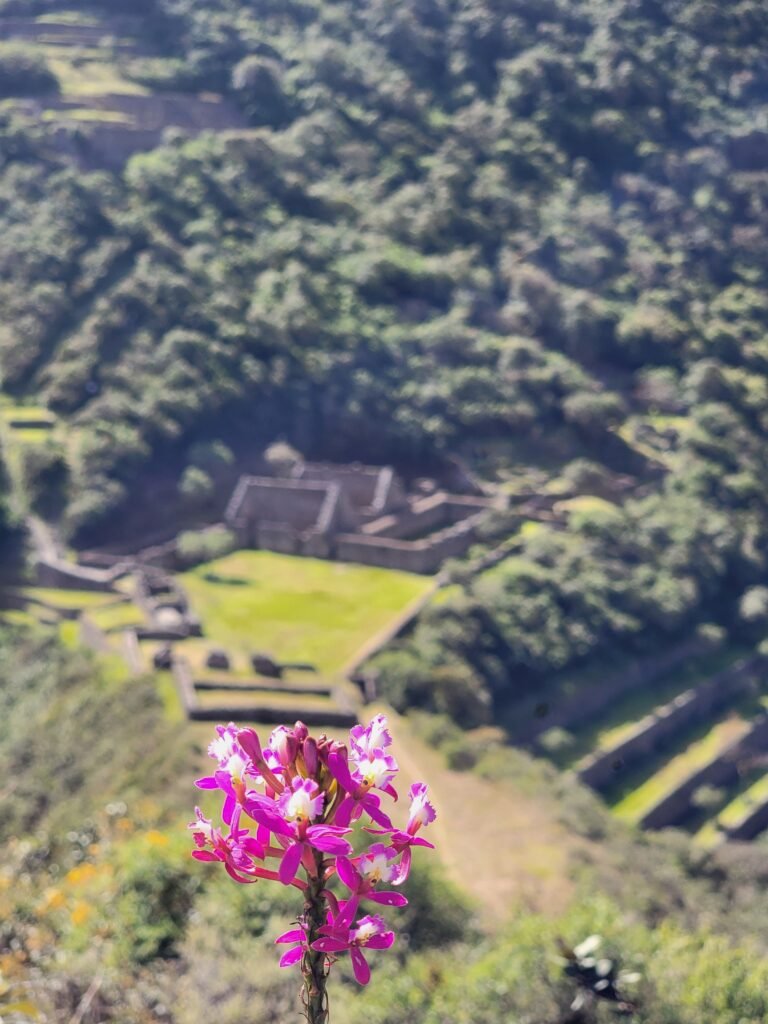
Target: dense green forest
{"points": [[506, 230]]}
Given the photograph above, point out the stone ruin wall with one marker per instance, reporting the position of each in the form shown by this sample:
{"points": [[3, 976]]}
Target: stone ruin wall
{"points": [[281, 504], [295, 517], [360, 483], [51, 572]]}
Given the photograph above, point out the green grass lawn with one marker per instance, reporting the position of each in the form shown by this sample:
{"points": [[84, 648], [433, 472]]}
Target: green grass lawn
{"points": [[65, 598], [88, 114], [118, 615], [21, 413], [89, 72], [297, 609], [695, 749]]}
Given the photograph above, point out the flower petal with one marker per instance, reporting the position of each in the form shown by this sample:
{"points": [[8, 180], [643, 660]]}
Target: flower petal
{"points": [[360, 966], [339, 769], [387, 898], [291, 957], [289, 865], [330, 945], [322, 838], [348, 873], [208, 782]]}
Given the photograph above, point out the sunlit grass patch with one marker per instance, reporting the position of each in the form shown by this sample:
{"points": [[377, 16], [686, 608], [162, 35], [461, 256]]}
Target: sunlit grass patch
{"points": [[26, 413], [89, 73], [118, 615], [61, 597], [745, 802], [88, 115], [297, 609], [78, 18]]}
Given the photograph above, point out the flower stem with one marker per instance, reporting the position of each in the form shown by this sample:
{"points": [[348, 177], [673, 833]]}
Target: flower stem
{"points": [[313, 965]]}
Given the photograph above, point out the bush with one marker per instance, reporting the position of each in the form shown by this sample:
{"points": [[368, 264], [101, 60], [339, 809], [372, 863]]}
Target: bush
{"points": [[23, 72], [753, 612], [46, 477], [157, 886], [593, 412], [403, 678], [460, 693], [196, 487], [556, 741], [258, 84], [196, 546]]}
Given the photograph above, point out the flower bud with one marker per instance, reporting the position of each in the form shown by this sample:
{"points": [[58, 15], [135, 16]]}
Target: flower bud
{"points": [[285, 746], [300, 731], [249, 741], [309, 753]]}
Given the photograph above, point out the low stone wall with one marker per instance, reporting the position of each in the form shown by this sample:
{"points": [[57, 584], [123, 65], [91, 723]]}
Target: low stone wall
{"points": [[161, 635], [310, 690], [274, 715], [339, 713], [425, 517], [67, 575], [419, 556], [132, 652], [536, 716], [652, 732]]}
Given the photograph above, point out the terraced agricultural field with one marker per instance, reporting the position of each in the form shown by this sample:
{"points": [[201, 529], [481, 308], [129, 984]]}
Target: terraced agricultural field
{"points": [[297, 609], [620, 719], [659, 775], [750, 794]]}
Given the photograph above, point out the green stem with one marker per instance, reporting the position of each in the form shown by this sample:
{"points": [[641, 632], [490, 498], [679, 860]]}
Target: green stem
{"points": [[313, 965]]}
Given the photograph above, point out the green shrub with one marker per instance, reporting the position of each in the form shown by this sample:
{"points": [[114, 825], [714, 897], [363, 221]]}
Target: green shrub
{"points": [[24, 72], [196, 546]]}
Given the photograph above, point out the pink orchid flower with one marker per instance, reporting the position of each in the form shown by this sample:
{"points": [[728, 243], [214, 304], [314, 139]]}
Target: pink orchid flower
{"points": [[298, 796], [290, 819], [362, 875], [369, 933]]}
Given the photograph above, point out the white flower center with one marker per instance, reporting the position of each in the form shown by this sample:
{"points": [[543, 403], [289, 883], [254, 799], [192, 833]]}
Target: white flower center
{"points": [[366, 931], [301, 805], [377, 867], [377, 772]]}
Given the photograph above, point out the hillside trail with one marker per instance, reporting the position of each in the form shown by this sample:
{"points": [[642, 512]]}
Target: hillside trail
{"points": [[505, 848]]}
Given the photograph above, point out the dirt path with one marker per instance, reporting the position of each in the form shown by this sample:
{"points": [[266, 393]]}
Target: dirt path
{"points": [[503, 847]]}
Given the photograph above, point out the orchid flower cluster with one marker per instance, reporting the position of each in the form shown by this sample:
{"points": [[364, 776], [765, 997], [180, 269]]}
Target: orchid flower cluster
{"points": [[291, 804]]}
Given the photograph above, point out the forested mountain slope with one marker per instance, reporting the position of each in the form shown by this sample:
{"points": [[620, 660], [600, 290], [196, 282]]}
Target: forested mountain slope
{"points": [[525, 232]]}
